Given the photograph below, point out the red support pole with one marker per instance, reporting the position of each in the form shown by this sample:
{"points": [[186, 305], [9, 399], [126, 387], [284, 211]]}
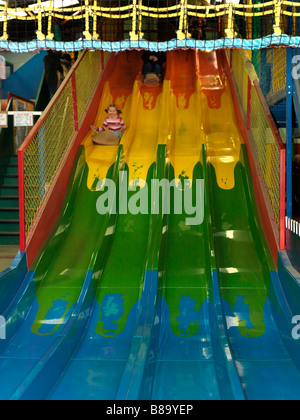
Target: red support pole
{"points": [[21, 200]]}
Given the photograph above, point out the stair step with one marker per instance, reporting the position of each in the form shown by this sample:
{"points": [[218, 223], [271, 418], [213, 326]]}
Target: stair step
{"points": [[8, 233], [7, 201], [9, 170], [9, 238], [9, 160], [9, 180], [9, 213], [9, 226], [9, 190]]}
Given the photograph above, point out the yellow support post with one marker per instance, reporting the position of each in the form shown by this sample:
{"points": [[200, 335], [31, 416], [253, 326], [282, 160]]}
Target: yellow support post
{"points": [[39, 34], [95, 34], [4, 35], [87, 33], [50, 35], [276, 28], [229, 31], [133, 35], [140, 33], [182, 20]]}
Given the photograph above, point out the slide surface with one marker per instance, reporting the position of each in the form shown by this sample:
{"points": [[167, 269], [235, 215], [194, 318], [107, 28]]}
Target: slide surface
{"points": [[206, 319], [95, 371], [37, 315], [258, 319]]}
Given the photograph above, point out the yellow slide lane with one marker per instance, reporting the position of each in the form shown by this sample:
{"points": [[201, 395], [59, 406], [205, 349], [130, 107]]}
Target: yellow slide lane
{"points": [[118, 89], [140, 143], [223, 139], [191, 107], [185, 116]]}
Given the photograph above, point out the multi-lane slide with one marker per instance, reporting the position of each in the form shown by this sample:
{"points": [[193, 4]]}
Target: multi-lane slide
{"points": [[141, 304], [58, 287]]}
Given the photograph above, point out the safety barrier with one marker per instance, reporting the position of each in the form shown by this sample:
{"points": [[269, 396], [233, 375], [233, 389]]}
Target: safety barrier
{"points": [[293, 242], [46, 147], [268, 147], [230, 19], [292, 225]]}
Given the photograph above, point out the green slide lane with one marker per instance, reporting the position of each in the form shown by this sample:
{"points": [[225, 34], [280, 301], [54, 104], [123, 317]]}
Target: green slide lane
{"points": [[51, 293], [61, 267], [111, 331], [188, 357], [187, 270], [243, 257], [257, 321], [124, 268]]}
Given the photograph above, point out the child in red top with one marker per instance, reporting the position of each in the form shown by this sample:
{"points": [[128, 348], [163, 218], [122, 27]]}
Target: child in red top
{"points": [[113, 123]]}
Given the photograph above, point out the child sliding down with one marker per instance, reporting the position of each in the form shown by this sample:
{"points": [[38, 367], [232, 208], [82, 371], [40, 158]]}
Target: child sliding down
{"points": [[112, 129]]}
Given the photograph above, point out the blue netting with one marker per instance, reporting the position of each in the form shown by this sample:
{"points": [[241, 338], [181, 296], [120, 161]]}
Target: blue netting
{"points": [[247, 44]]}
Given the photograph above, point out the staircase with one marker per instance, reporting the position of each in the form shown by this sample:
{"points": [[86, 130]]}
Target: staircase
{"points": [[9, 200]]}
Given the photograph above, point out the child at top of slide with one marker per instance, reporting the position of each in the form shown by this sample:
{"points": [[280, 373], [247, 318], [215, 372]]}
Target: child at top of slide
{"points": [[113, 123]]}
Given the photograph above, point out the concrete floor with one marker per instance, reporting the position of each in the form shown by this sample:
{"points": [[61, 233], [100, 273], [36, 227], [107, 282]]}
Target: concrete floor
{"points": [[7, 255]]}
